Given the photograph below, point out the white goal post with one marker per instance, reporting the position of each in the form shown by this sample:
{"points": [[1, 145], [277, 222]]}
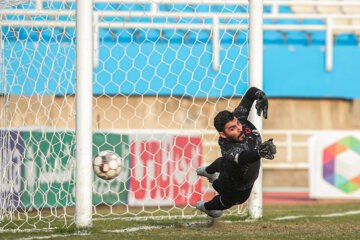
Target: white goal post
{"points": [[142, 78]]}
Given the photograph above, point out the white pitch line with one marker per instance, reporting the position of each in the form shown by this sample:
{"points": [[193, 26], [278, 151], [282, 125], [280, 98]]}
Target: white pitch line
{"points": [[134, 229], [149, 218], [322, 216], [27, 230], [47, 237]]}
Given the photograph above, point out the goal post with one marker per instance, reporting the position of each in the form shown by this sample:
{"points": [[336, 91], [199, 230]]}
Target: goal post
{"points": [[144, 79], [256, 79], [83, 127]]}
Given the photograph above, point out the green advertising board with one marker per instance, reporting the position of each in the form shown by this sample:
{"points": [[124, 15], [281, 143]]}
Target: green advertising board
{"points": [[48, 169], [112, 191]]}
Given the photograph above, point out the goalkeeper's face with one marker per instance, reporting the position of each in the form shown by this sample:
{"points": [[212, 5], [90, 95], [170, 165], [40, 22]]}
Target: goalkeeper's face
{"points": [[233, 131]]}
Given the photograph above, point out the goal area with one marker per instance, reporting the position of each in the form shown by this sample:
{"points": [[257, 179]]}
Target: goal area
{"points": [[142, 78]]}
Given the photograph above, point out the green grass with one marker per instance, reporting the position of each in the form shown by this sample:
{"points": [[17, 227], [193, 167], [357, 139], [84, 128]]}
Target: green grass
{"points": [[228, 227]]}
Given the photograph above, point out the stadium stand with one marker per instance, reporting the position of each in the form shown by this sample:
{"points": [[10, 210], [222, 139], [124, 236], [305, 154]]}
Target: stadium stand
{"points": [[293, 37], [286, 24], [343, 36], [316, 12]]}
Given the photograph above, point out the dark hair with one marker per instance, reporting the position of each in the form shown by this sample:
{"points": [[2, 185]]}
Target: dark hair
{"points": [[221, 119]]}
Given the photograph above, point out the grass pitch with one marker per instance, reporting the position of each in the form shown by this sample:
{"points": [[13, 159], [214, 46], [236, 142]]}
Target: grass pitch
{"points": [[318, 221]]}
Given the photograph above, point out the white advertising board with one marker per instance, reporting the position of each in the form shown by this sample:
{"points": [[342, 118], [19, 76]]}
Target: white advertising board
{"points": [[334, 164]]}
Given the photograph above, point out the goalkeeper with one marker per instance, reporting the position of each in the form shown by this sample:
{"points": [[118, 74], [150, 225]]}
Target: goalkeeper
{"points": [[241, 148]]}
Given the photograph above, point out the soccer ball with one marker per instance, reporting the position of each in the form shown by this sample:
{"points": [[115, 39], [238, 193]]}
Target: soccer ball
{"points": [[107, 165]]}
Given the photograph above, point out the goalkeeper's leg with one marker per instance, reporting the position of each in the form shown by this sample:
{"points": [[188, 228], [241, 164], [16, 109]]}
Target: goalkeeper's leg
{"points": [[210, 171], [222, 202]]}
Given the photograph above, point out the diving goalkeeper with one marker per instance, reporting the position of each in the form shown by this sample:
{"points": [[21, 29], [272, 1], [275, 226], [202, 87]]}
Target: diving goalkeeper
{"points": [[241, 148]]}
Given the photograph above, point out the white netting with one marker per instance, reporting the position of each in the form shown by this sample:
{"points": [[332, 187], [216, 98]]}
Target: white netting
{"points": [[163, 71]]}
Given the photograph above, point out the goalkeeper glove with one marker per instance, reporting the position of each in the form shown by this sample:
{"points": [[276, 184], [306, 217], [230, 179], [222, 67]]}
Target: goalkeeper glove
{"points": [[261, 103], [267, 149]]}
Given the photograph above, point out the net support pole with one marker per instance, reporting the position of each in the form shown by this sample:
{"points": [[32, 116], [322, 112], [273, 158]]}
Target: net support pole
{"points": [[256, 79], [84, 76]]}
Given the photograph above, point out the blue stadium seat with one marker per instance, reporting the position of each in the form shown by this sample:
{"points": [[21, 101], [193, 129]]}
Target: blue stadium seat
{"points": [[70, 33], [194, 35], [285, 9], [53, 33], [10, 33], [27, 5], [292, 37], [347, 39], [174, 35], [70, 5], [273, 37], [312, 21], [317, 37], [267, 9], [124, 35], [53, 5], [287, 21], [202, 8], [103, 7], [59, 5], [106, 34], [226, 36], [164, 7], [268, 21], [178, 8], [136, 8], [230, 9], [296, 37]]}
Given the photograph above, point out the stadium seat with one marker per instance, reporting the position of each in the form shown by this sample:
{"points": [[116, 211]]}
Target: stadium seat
{"points": [[232, 9], [136, 8], [346, 39], [122, 35], [296, 37], [226, 36], [285, 9], [27, 5], [152, 35], [273, 37], [267, 9], [314, 37], [177, 7], [291, 36], [69, 33], [53, 33], [317, 37]]}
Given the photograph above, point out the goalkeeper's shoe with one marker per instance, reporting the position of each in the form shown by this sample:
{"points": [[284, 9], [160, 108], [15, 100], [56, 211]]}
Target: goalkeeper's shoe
{"points": [[201, 171], [211, 213]]}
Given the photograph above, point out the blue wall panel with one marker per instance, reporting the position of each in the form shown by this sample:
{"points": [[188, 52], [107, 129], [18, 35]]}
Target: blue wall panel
{"points": [[299, 71]]}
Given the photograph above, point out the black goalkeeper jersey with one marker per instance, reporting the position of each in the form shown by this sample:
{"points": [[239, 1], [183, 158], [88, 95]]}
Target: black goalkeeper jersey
{"points": [[241, 160]]}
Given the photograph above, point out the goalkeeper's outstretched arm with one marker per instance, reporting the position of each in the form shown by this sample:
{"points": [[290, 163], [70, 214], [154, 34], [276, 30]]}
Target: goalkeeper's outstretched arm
{"points": [[252, 94]]}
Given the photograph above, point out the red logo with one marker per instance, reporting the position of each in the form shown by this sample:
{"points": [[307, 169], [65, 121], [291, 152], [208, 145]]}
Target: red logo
{"points": [[247, 130]]}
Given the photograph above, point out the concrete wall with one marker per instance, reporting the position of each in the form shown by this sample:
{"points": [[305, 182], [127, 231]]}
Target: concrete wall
{"points": [[175, 113]]}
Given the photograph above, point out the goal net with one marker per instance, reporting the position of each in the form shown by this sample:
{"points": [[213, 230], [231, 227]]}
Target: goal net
{"points": [[162, 71]]}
